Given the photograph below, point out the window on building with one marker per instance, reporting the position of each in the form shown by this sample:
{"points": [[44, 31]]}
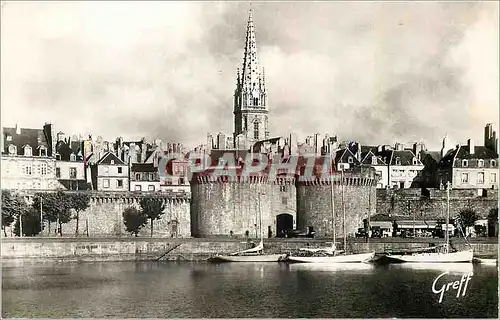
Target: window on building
{"points": [[256, 130], [374, 159], [28, 170], [112, 161], [151, 187], [181, 180], [9, 138], [42, 152], [27, 151], [138, 188], [43, 169], [283, 188], [255, 101], [284, 200], [137, 176], [119, 183], [350, 159], [120, 169], [73, 185], [493, 163], [480, 163], [398, 161], [72, 173], [493, 178], [105, 170], [105, 183], [12, 150], [465, 177], [415, 161], [151, 177], [58, 156], [58, 173], [72, 157], [480, 177], [465, 163]]}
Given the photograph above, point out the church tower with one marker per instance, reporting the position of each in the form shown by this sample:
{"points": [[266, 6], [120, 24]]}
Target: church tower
{"points": [[250, 97]]}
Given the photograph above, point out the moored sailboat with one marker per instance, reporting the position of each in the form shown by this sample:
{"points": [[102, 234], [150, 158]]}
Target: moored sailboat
{"points": [[335, 256], [438, 257], [255, 254]]}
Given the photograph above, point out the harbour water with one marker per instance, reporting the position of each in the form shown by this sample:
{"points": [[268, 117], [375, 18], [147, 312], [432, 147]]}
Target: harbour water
{"points": [[203, 290]]}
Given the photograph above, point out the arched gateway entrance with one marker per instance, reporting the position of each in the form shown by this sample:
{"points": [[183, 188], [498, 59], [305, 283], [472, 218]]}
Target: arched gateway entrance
{"points": [[284, 222]]}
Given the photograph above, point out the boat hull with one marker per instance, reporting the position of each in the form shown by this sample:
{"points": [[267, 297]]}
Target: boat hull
{"points": [[348, 258], [460, 256], [250, 258]]}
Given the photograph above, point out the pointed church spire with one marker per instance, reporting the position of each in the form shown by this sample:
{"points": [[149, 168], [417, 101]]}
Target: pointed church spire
{"points": [[251, 70]]}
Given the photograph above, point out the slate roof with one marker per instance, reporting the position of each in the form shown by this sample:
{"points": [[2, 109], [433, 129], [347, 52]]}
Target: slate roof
{"points": [[480, 152], [367, 158], [462, 152], [107, 157], [342, 156], [65, 150], [405, 156], [436, 155], [31, 137]]}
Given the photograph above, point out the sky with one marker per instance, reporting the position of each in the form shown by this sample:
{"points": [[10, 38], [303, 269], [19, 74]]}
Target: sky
{"points": [[377, 73]]}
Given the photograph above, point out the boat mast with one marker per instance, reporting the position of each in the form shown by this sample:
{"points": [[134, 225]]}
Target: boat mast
{"points": [[261, 234], [333, 210], [343, 211], [447, 236], [369, 209]]}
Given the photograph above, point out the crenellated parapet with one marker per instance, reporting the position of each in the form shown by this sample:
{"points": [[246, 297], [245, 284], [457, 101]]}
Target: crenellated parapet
{"points": [[339, 181], [119, 197]]}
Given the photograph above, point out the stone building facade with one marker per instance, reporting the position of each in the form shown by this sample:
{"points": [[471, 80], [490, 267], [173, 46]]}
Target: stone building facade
{"points": [[28, 160], [469, 166]]}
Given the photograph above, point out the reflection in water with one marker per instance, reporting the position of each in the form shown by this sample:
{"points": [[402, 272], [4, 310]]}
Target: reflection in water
{"points": [[332, 267], [452, 268], [170, 290]]}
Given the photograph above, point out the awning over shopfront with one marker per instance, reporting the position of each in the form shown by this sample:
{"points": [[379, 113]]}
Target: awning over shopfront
{"points": [[381, 224], [411, 226]]}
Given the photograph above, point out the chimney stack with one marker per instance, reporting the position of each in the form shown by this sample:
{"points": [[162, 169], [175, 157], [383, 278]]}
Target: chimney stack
{"points": [[470, 144]]}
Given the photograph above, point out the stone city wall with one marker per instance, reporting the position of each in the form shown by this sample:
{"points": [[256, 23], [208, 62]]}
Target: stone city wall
{"points": [[104, 216], [407, 202]]}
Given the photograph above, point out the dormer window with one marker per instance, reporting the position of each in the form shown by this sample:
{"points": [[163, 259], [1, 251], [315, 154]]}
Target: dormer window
{"points": [[42, 152], [9, 138], [493, 163], [27, 151], [58, 156], [415, 161], [480, 163], [374, 159], [350, 159], [72, 157], [112, 161], [12, 149], [398, 161], [465, 163]]}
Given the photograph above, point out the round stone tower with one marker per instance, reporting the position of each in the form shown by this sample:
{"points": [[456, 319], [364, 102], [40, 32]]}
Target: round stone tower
{"points": [[353, 195], [224, 206]]}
